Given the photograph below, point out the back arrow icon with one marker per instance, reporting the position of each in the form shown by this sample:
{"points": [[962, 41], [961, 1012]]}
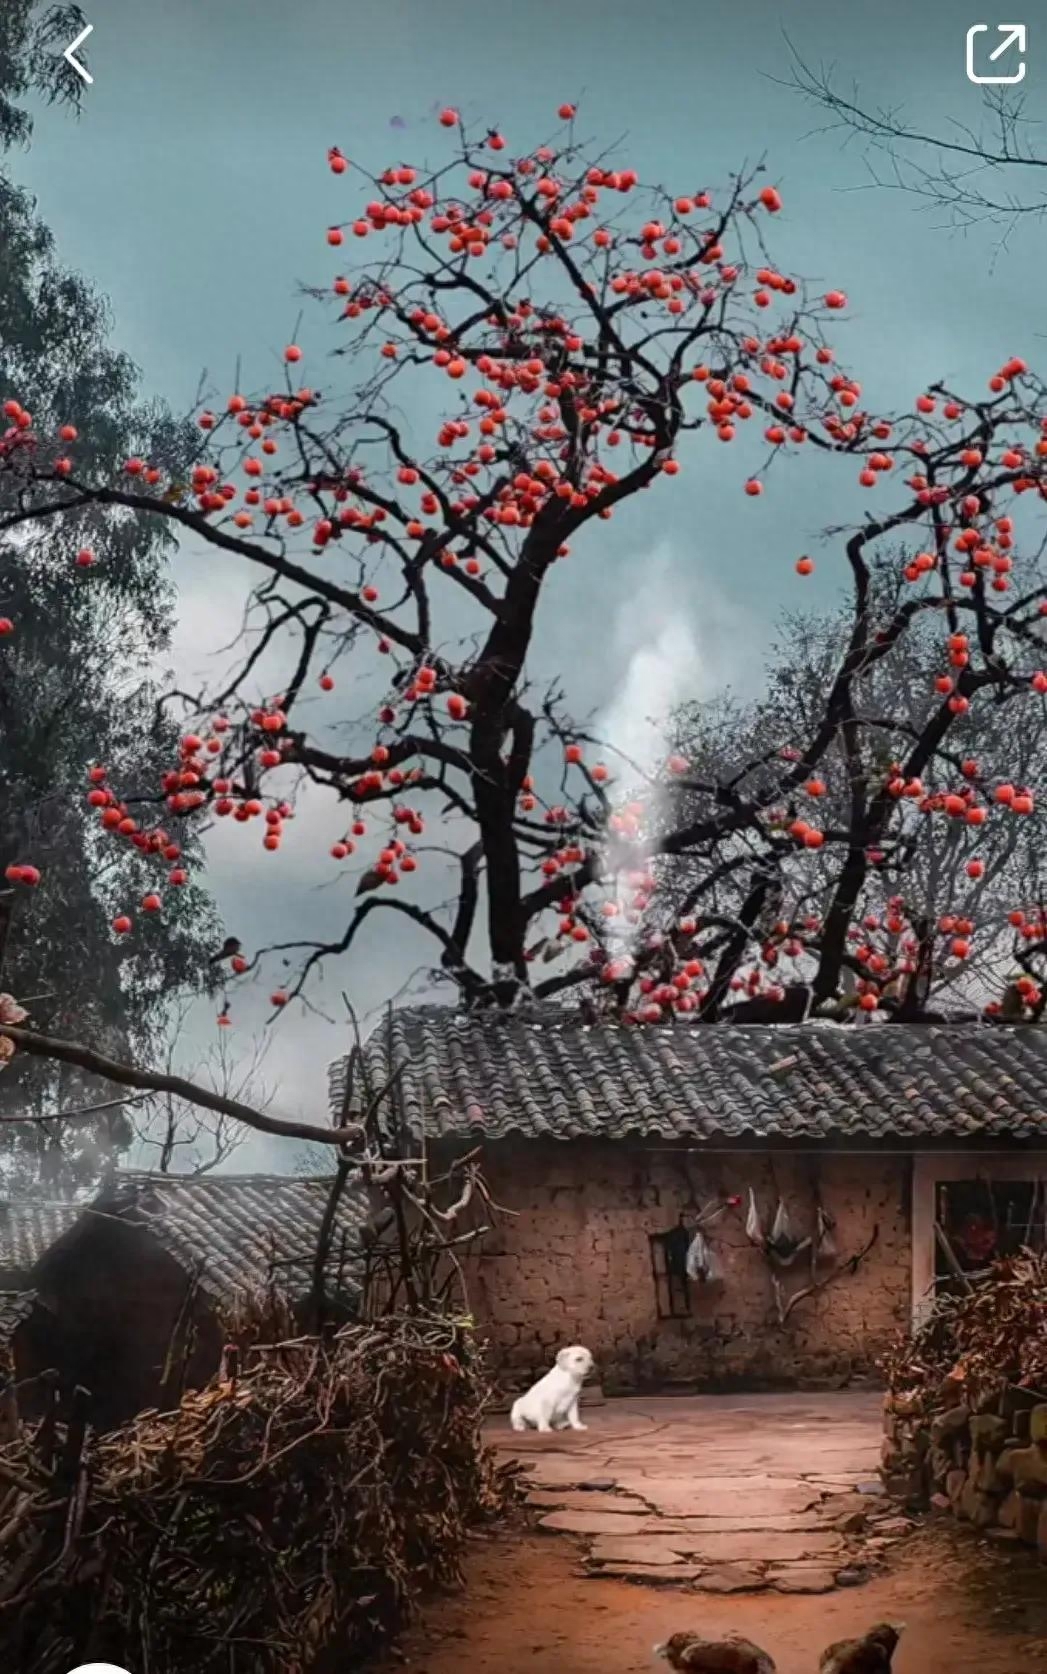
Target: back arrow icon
{"points": [[69, 54]]}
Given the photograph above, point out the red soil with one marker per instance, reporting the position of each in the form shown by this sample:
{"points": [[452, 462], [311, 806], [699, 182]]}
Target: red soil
{"points": [[527, 1609]]}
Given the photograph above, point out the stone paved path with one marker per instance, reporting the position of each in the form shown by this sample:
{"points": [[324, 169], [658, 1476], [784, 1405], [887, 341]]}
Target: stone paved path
{"points": [[719, 1493]]}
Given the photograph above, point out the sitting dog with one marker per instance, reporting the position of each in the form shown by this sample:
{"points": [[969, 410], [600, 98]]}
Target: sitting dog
{"points": [[552, 1402]]}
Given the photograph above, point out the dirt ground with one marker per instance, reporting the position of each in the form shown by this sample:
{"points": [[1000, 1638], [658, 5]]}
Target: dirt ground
{"points": [[528, 1607]]}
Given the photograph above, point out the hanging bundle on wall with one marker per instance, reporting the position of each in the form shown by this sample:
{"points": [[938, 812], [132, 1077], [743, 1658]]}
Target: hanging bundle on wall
{"points": [[753, 1229], [782, 1243], [824, 1242], [702, 1265]]}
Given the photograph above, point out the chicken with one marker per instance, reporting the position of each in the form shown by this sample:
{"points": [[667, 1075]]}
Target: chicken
{"points": [[869, 1655], [689, 1653]]}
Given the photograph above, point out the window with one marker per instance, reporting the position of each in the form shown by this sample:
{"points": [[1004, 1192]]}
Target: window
{"points": [[672, 1288], [977, 1221]]}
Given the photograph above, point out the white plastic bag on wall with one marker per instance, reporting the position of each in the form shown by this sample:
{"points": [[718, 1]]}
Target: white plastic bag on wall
{"points": [[702, 1265], [753, 1229]]}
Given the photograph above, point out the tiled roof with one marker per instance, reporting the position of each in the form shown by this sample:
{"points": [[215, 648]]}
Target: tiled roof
{"points": [[28, 1227], [547, 1072], [15, 1306], [242, 1233]]}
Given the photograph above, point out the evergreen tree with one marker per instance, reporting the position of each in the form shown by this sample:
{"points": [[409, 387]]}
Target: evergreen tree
{"points": [[80, 674]]}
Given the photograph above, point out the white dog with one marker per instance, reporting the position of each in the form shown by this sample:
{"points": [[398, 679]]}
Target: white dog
{"points": [[552, 1402]]}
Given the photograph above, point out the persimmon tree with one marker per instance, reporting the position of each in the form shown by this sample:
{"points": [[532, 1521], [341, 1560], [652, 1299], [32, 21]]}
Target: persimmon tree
{"points": [[526, 343], [991, 172], [934, 879]]}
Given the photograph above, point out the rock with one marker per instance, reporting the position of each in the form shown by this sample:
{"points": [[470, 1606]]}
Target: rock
{"points": [[891, 1455], [1038, 1423], [840, 1500], [875, 1488], [908, 1404], [940, 1461], [593, 1523], [640, 1549], [906, 1485], [1027, 1518], [683, 1495], [761, 1545], [801, 1578], [950, 1390], [955, 1483], [983, 1475], [731, 1578], [852, 1522], [789, 1524], [979, 1509], [954, 1422], [1015, 1400], [895, 1526], [575, 1499], [902, 1452], [598, 1485], [1007, 1516], [987, 1402], [1041, 1531], [941, 1502], [989, 1432], [1026, 1467], [853, 1577], [651, 1575]]}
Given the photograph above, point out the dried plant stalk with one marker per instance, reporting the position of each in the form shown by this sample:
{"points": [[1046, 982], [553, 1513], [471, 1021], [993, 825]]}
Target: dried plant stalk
{"points": [[992, 1336], [281, 1521]]}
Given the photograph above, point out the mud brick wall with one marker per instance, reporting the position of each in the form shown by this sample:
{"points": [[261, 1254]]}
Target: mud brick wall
{"points": [[573, 1265], [121, 1306]]}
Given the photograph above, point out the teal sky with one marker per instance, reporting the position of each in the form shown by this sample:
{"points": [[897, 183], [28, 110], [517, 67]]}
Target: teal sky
{"points": [[194, 192]]}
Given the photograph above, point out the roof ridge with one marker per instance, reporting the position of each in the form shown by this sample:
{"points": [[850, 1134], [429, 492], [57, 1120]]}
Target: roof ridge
{"points": [[133, 1176], [44, 1202], [539, 1012]]}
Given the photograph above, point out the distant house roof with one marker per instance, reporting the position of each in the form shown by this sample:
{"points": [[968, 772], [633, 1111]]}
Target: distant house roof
{"points": [[240, 1233], [547, 1073], [15, 1306], [28, 1227]]}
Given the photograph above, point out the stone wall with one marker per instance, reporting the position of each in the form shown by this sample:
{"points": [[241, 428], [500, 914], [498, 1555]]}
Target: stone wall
{"points": [[988, 1467], [573, 1264]]}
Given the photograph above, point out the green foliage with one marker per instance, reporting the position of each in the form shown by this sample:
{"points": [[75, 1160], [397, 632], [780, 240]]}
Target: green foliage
{"points": [[79, 683], [33, 38]]}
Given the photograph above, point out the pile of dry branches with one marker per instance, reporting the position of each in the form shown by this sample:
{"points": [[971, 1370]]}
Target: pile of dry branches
{"points": [[990, 1336], [283, 1519]]}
